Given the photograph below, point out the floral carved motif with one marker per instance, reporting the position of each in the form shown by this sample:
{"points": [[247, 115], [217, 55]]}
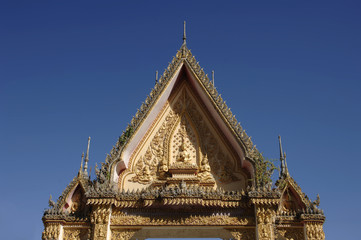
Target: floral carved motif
{"points": [[133, 220], [242, 233], [179, 134], [146, 166], [290, 234], [314, 231], [51, 231], [100, 218], [76, 234], [265, 220], [123, 234]]}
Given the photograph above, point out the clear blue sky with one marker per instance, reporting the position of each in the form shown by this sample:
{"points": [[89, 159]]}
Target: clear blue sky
{"points": [[73, 69]]}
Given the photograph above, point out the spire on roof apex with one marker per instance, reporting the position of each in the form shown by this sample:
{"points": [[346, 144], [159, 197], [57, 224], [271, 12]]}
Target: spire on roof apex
{"points": [[87, 159], [281, 151], [283, 170], [156, 77], [213, 77], [81, 165], [184, 32]]}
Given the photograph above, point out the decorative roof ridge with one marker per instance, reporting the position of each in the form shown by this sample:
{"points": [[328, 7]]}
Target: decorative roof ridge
{"points": [[56, 207], [221, 105], [288, 180], [183, 55]]}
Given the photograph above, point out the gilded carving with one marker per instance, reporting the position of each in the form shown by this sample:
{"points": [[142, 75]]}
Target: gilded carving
{"points": [[220, 163], [100, 215], [100, 218], [51, 231], [205, 174], [221, 220], [314, 231], [290, 234], [145, 168], [265, 220], [123, 234], [242, 233], [100, 231], [76, 234], [179, 134]]}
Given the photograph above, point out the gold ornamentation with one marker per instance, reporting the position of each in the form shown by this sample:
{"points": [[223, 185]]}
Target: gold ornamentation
{"points": [[243, 233], [183, 144], [221, 220], [265, 221], [145, 168], [123, 234], [314, 231], [100, 231], [205, 171], [186, 141], [76, 234], [100, 215], [100, 218], [51, 231], [290, 234], [219, 162]]}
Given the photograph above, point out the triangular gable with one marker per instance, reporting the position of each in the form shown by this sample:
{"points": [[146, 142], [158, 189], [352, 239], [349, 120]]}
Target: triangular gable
{"points": [[183, 65], [292, 198], [77, 186]]}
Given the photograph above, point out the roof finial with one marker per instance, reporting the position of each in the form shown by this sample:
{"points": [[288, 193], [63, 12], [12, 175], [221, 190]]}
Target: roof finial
{"points": [[213, 77], [51, 202], [156, 77], [87, 159], [184, 32], [286, 168], [281, 157], [283, 170], [81, 164], [281, 151]]}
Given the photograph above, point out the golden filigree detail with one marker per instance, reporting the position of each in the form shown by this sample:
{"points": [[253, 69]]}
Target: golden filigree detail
{"points": [[290, 234], [265, 221], [242, 233], [100, 219], [219, 162], [145, 169], [135, 220], [179, 134], [314, 231], [100, 215], [51, 231], [185, 140], [76, 234], [123, 234], [100, 231], [205, 174]]}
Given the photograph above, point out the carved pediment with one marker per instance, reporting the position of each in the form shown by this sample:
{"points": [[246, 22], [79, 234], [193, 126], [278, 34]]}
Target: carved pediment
{"points": [[290, 201], [184, 144]]}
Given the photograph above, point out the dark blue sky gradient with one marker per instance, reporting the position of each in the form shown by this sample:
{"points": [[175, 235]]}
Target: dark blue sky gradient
{"points": [[73, 69]]}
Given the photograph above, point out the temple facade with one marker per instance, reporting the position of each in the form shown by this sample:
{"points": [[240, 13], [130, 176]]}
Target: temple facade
{"points": [[184, 167]]}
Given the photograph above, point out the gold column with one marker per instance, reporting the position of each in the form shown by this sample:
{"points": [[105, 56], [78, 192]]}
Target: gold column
{"points": [[265, 216], [314, 230], [51, 231], [100, 219]]}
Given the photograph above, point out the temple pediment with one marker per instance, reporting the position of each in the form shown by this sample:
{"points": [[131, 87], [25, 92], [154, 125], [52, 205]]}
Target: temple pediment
{"points": [[184, 143]]}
